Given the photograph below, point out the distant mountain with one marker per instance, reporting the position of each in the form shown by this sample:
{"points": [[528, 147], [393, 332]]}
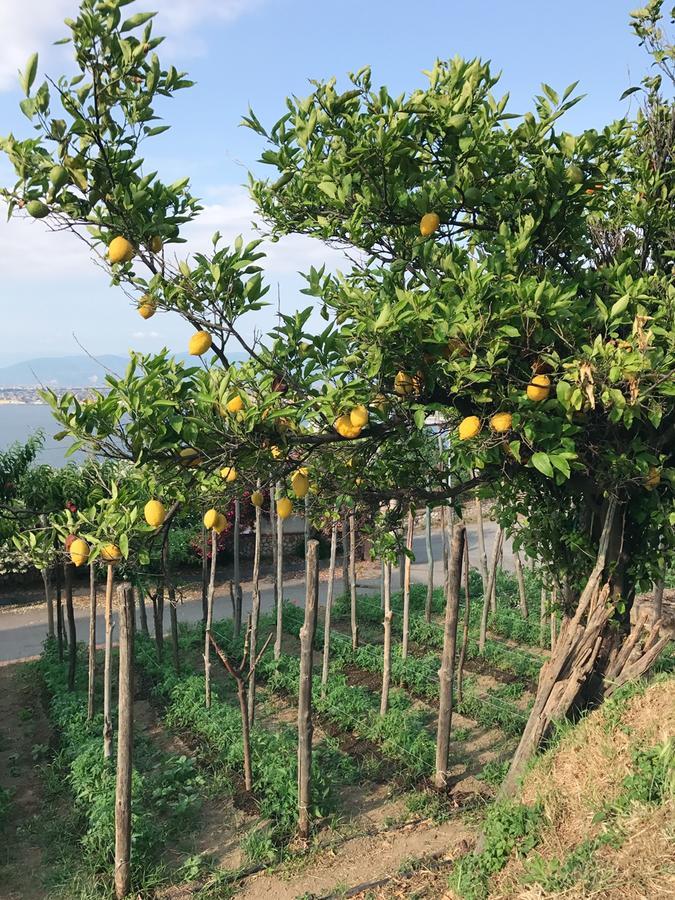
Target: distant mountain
{"points": [[71, 371]]}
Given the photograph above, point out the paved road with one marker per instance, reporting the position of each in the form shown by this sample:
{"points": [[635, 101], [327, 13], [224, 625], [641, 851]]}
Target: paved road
{"points": [[22, 631]]}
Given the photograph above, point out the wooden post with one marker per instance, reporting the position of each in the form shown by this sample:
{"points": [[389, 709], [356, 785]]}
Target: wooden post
{"points": [[307, 523], [167, 581], [482, 555], [446, 672], [72, 635], [158, 610], [209, 619], [345, 553], [496, 564], [107, 666], [554, 621], [386, 662], [488, 593], [205, 574], [59, 613], [657, 599], [280, 582], [352, 580], [542, 617], [444, 542], [237, 569], [430, 565], [142, 612], [307, 634], [125, 743], [465, 627], [49, 600], [522, 594], [91, 680], [406, 584], [255, 613], [329, 606]]}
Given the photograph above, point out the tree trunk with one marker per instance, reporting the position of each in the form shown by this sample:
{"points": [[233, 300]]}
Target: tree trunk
{"points": [[91, 680], [280, 583], [142, 612], [209, 619], [255, 614], [430, 565], [522, 594], [482, 555], [657, 600], [307, 634], [158, 610], [307, 524], [107, 666], [406, 584], [205, 574], [72, 635], [352, 581], [467, 615], [125, 743], [49, 601], [329, 606], [245, 735], [167, 580], [488, 593], [386, 664], [238, 599], [345, 553], [496, 564], [554, 597], [445, 548], [542, 617], [59, 614], [447, 671]]}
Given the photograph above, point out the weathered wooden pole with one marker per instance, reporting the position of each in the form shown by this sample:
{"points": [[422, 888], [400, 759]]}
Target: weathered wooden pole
{"points": [[430, 565], [307, 634], [488, 593], [446, 672], [107, 665], [280, 581], [465, 627], [125, 743], [209, 619], [91, 674], [329, 606], [142, 612], [167, 581], [236, 550], [482, 554], [496, 563], [255, 613], [46, 580], [205, 573], [522, 594], [386, 663], [352, 580], [406, 584], [59, 614], [72, 634], [345, 553]]}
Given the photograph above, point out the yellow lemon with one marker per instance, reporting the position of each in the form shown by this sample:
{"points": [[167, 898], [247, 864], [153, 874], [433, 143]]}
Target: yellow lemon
{"points": [[120, 250], [300, 484], [111, 553], [359, 416], [257, 499], [235, 404], [501, 422], [229, 473], [154, 513], [147, 307], [79, 551], [200, 343], [155, 244], [221, 524], [189, 457], [539, 388], [344, 427], [276, 452], [406, 385], [469, 428], [284, 507], [210, 518], [429, 223]]}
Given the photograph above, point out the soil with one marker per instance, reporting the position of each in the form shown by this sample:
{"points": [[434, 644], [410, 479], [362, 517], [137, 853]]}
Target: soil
{"points": [[23, 726]]}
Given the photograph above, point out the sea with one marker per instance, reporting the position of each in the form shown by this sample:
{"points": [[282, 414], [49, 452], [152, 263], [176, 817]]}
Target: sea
{"points": [[19, 420]]}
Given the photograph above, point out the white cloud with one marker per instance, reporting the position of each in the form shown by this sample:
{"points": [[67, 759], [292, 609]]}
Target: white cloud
{"points": [[140, 335], [34, 25]]}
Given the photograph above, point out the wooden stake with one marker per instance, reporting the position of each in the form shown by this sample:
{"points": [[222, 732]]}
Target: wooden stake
{"points": [[205, 574], [496, 564], [488, 594], [280, 582], [209, 619], [465, 628], [406, 584], [142, 612], [237, 569], [329, 606], [72, 635], [59, 614], [91, 679], [167, 580], [307, 634], [125, 743], [446, 672], [107, 666], [430, 565], [482, 554], [255, 613], [386, 665], [345, 553], [49, 600], [352, 580], [522, 594]]}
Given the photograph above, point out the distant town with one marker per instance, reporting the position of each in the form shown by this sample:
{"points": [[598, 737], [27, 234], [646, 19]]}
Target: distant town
{"points": [[30, 395]]}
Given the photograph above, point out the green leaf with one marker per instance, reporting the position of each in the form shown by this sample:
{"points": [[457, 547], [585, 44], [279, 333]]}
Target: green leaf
{"points": [[542, 462], [135, 21], [28, 76], [561, 464], [420, 417], [124, 545], [619, 307], [563, 390]]}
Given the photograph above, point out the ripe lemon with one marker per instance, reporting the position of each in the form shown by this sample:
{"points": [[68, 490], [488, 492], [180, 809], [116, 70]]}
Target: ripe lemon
{"points": [[221, 524], [111, 553], [257, 499], [229, 473], [79, 551], [429, 223], [189, 457], [154, 513], [120, 250], [284, 507], [155, 244], [501, 422], [300, 484], [210, 518], [344, 427], [37, 209], [359, 416], [235, 404], [469, 428], [200, 343], [653, 478], [406, 385], [539, 388], [147, 307], [276, 452]]}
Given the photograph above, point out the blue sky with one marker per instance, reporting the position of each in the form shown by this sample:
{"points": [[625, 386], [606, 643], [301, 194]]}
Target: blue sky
{"points": [[256, 52]]}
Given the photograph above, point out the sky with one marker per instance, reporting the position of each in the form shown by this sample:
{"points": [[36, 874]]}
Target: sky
{"points": [[256, 52]]}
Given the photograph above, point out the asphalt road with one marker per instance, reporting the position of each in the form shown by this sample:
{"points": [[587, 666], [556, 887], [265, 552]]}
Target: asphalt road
{"points": [[23, 630]]}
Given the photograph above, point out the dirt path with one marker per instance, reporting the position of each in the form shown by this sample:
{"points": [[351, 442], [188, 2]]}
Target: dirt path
{"points": [[362, 859], [23, 726]]}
